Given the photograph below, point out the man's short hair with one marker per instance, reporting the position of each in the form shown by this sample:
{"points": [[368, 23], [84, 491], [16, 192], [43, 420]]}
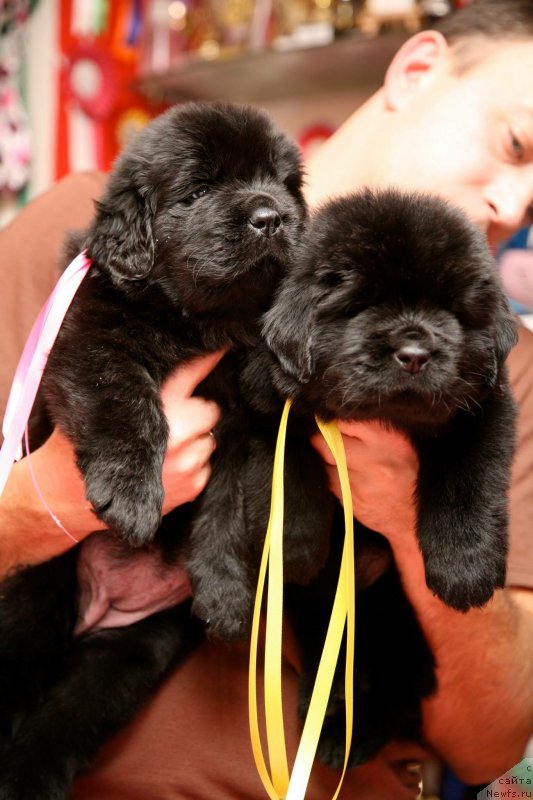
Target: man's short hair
{"points": [[493, 19], [485, 22]]}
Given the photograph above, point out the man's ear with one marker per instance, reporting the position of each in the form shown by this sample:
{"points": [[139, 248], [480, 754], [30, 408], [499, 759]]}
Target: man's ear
{"points": [[415, 64]]}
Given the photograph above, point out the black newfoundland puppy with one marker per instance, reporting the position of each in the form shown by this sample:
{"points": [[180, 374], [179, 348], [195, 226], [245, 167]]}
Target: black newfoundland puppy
{"points": [[392, 310], [395, 312], [199, 222]]}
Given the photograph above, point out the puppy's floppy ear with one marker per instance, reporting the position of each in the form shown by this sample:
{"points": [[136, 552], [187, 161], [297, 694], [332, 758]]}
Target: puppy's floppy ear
{"points": [[506, 332], [287, 329], [120, 239]]}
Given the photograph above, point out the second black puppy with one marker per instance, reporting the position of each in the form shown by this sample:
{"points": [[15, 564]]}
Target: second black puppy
{"points": [[396, 313]]}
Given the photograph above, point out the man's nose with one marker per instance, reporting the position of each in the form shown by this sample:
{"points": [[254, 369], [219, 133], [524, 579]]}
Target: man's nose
{"points": [[509, 201]]}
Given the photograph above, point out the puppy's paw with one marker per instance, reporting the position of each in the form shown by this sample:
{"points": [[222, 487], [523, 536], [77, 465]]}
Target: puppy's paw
{"points": [[227, 614], [332, 745], [469, 583], [301, 565], [135, 524], [129, 504]]}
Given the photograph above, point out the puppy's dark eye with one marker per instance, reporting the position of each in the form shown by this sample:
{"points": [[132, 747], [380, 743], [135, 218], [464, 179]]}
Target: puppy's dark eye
{"points": [[200, 192], [330, 280]]}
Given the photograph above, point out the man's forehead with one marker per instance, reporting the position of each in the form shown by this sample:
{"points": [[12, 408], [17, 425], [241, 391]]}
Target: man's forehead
{"points": [[518, 118], [499, 57], [475, 54], [504, 74], [526, 109]]}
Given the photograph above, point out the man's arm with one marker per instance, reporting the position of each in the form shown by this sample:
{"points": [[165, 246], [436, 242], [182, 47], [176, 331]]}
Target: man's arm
{"points": [[482, 715], [29, 535]]}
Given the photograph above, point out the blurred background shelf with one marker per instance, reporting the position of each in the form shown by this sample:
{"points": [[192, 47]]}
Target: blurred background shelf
{"points": [[258, 77]]}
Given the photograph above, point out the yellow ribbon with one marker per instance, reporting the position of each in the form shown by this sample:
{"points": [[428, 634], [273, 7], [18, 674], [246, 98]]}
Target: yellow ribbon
{"points": [[278, 784]]}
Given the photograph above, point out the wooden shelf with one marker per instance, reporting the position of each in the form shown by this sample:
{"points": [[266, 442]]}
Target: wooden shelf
{"points": [[350, 61]]}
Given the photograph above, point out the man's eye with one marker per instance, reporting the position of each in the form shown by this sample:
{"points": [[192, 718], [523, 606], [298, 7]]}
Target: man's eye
{"points": [[517, 147]]}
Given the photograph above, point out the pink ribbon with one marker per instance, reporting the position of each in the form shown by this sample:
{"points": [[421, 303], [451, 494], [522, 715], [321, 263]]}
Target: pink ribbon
{"points": [[33, 361]]}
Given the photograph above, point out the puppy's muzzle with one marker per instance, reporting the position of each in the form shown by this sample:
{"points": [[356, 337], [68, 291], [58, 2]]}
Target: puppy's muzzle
{"points": [[265, 221], [412, 357], [412, 346]]}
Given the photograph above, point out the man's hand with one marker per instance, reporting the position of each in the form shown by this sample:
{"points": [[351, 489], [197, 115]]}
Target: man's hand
{"points": [[28, 534], [382, 467], [187, 468]]}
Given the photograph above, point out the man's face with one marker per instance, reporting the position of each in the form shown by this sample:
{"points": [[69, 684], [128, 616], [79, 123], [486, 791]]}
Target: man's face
{"points": [[469, 138]]}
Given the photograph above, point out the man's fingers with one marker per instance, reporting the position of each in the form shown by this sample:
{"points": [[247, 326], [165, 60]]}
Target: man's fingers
{"points": [[369, 440], [193, 456], [375, 434], [180, 488], [353, 447], [186, 378], [189, 419]]}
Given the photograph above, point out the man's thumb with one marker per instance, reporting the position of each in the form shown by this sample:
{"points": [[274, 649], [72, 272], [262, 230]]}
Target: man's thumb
{"points": [[186, 378]]}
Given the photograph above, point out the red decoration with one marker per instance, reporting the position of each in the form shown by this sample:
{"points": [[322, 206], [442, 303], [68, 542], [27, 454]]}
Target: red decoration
{"points": [[98, 101], [97, 75], [314, 135]]}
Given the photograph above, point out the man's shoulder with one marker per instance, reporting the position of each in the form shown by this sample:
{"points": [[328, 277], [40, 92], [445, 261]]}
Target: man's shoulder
{"points": [[79, 184]]}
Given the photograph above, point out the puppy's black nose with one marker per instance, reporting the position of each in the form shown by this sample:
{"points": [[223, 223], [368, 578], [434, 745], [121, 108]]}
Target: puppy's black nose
{"points": [[412, 357], [266, 221]]}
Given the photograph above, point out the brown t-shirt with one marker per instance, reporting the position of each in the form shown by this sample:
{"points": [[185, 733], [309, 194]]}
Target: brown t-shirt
{"points": [[520, 560], [192, 742]]}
